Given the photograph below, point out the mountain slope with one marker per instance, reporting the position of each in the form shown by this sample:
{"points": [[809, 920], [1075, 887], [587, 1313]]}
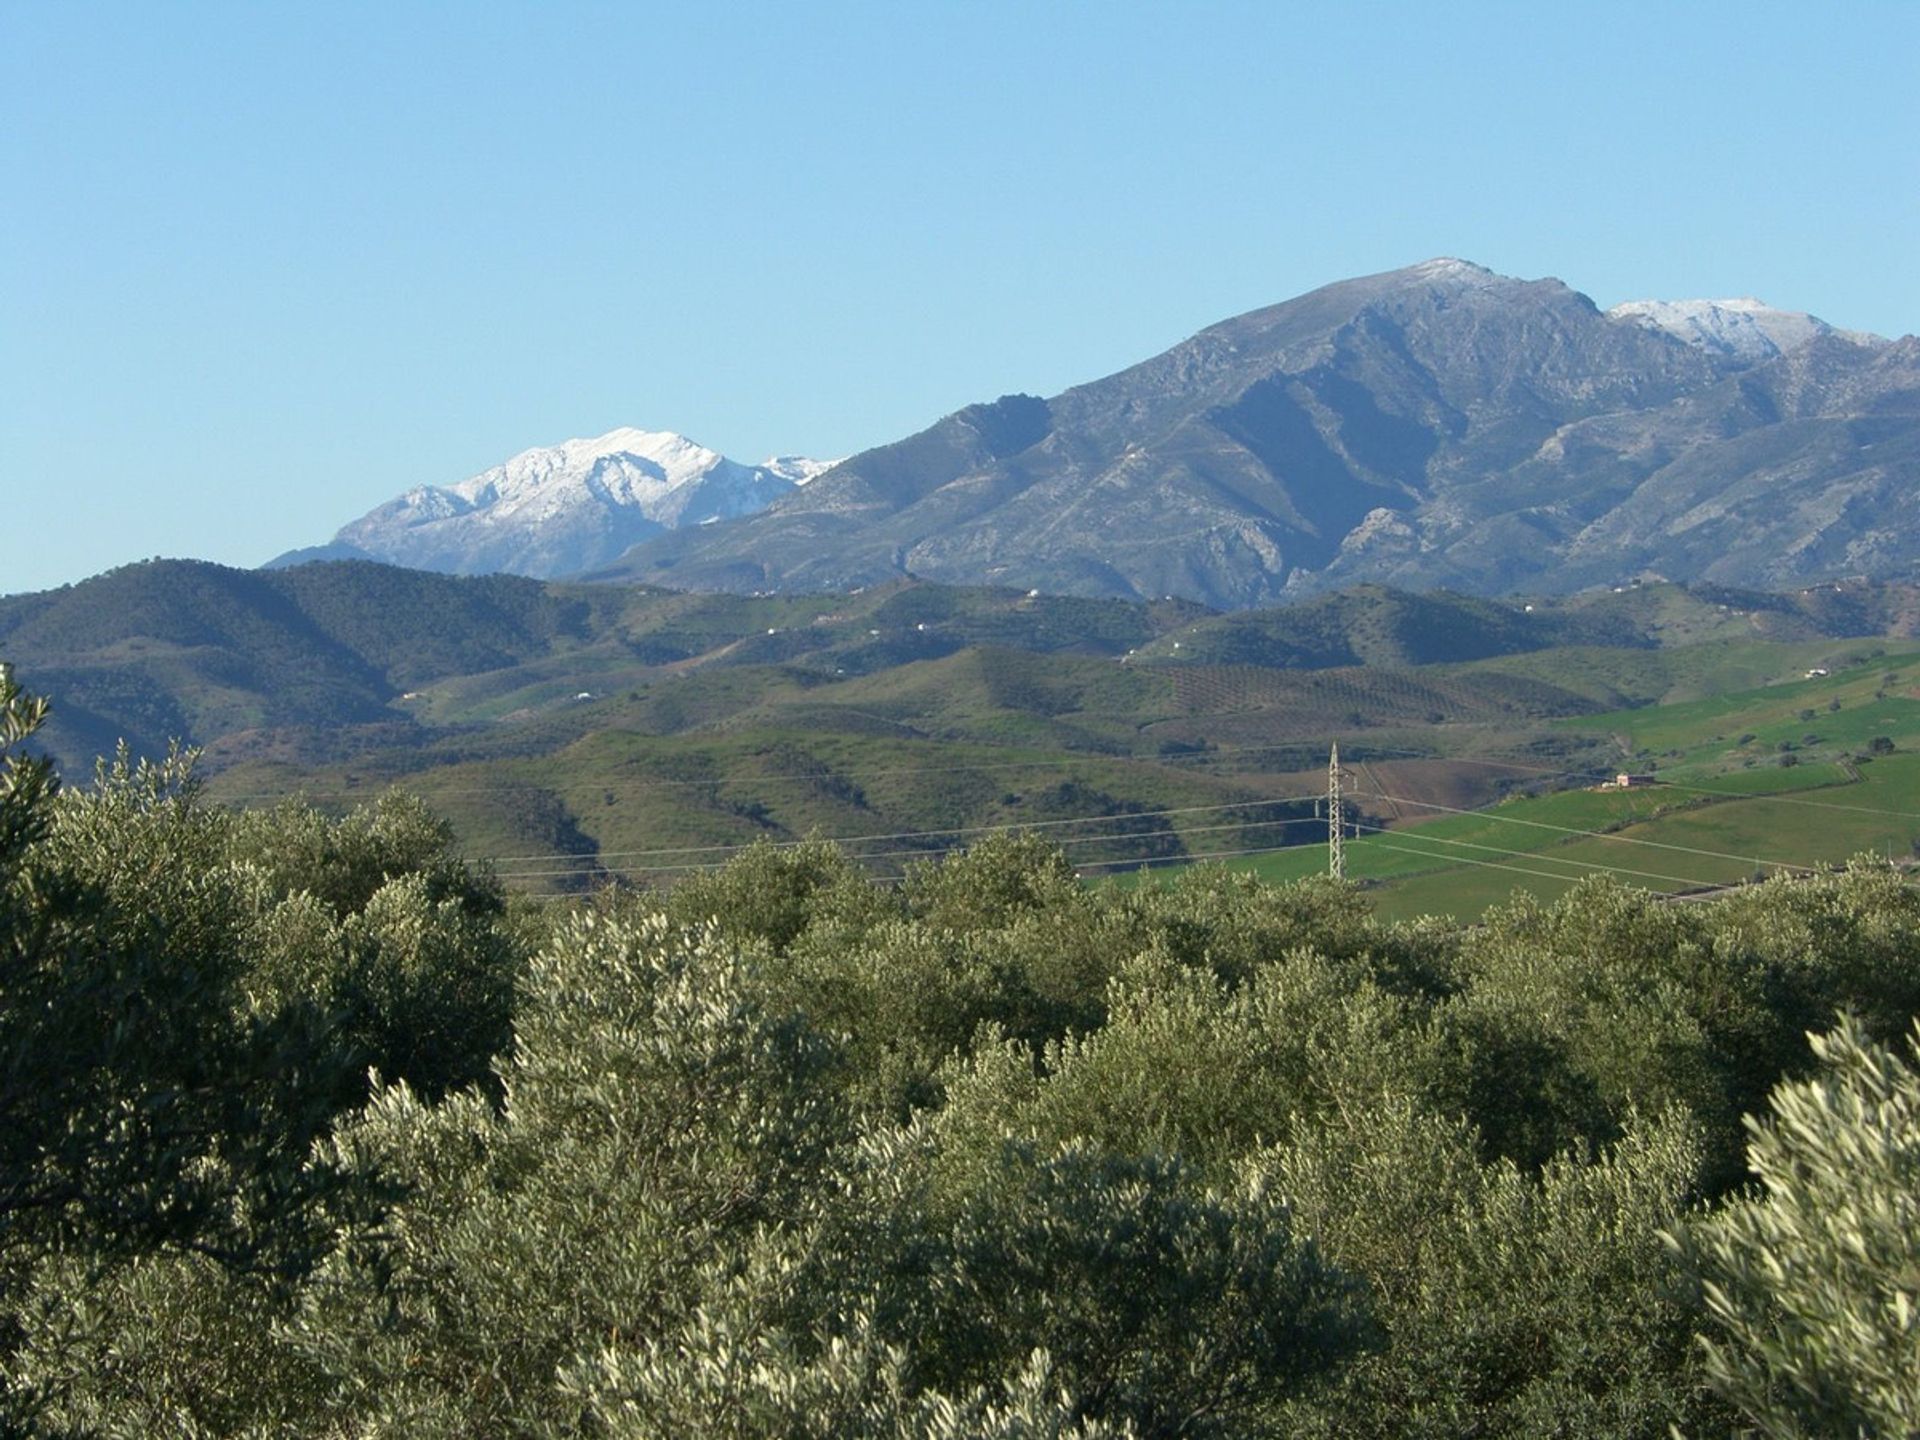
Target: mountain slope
{"points": [[562, 508], [1438, 425]]}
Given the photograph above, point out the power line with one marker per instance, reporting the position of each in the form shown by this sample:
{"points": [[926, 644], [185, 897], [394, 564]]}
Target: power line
{"points": [[707, 866], [1054, 762], [1775, 797], [729, 848], [1157, 860], [1600, 834], [1118, 838], [1489, 864], [1011, 826], [1524, 854], [1781, 799], [667, 783], [1090, 757], [1475, 760], [726, 849]]}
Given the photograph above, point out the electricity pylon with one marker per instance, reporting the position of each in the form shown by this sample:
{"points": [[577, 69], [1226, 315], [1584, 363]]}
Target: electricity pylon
{"points": [[1336, 820]]}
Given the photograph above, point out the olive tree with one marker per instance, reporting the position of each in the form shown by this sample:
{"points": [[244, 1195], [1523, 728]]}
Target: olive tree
{"points": [[1813, 1284]]}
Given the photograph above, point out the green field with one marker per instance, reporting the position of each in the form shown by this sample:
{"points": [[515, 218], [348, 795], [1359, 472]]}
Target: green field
{"points": [[1724, 809]]}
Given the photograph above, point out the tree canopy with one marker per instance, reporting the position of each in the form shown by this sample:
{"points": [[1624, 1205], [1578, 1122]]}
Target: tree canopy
{"points": [[308, 1128]]}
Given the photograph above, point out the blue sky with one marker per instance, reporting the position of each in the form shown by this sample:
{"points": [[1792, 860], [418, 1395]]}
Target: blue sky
{"points": [[265, 266]]}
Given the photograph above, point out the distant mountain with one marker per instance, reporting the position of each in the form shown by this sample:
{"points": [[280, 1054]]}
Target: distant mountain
{"points": [[564, 508], [1439, 425]]}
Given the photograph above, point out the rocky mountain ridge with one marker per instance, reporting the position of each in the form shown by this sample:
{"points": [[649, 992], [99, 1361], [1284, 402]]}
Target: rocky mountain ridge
{"points": [[1437, 425]]}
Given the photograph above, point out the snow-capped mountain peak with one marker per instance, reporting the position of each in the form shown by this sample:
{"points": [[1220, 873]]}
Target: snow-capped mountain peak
{"points": [[634, 467], [561, 509], [1742, 329]]}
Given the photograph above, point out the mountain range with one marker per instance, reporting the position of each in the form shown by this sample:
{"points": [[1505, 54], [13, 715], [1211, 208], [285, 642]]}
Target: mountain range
{"points": [[1439, 425]]}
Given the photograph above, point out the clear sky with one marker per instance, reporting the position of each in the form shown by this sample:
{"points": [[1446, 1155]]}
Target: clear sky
{"points": [[263, 267]]}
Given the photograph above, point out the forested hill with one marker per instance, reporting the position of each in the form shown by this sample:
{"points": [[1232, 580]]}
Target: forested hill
{"points": [[184, 650]]}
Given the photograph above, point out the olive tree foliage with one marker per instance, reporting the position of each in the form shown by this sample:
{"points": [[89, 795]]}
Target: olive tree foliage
{"points": [[1516, 1304], [1558, 1021], [654, 1115], [1813, 1283], [649, 1122], [1841, 940], [1498, 1299], [745, 1385], [343, 862], [145, 1101], [1002, 935], [27, 782], [1229, 922], [179, 1007], [1188, 1065], [1164, 1301], [669, 1214], [180, 1026], [672, 1216], [767, 896]]}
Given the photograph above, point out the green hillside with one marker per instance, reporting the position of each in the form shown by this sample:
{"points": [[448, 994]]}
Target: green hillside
{"points": [[576, 732]]}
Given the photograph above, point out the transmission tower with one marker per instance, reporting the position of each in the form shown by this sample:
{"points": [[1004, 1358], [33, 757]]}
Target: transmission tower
{"points": [[1336, 820]]}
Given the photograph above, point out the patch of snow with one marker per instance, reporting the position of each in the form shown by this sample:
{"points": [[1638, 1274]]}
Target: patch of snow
{"points": [[1740, 329], [1450, 270], [797, 468]]}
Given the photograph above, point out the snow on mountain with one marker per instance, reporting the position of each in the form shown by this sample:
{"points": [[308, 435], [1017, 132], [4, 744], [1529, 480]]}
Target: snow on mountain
{"points": [[797, 468], [561, 509], [1745, 329]]}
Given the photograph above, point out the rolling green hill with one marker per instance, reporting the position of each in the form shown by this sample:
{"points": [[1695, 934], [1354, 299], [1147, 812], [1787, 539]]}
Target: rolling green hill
{"points": [[575, 732]]}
